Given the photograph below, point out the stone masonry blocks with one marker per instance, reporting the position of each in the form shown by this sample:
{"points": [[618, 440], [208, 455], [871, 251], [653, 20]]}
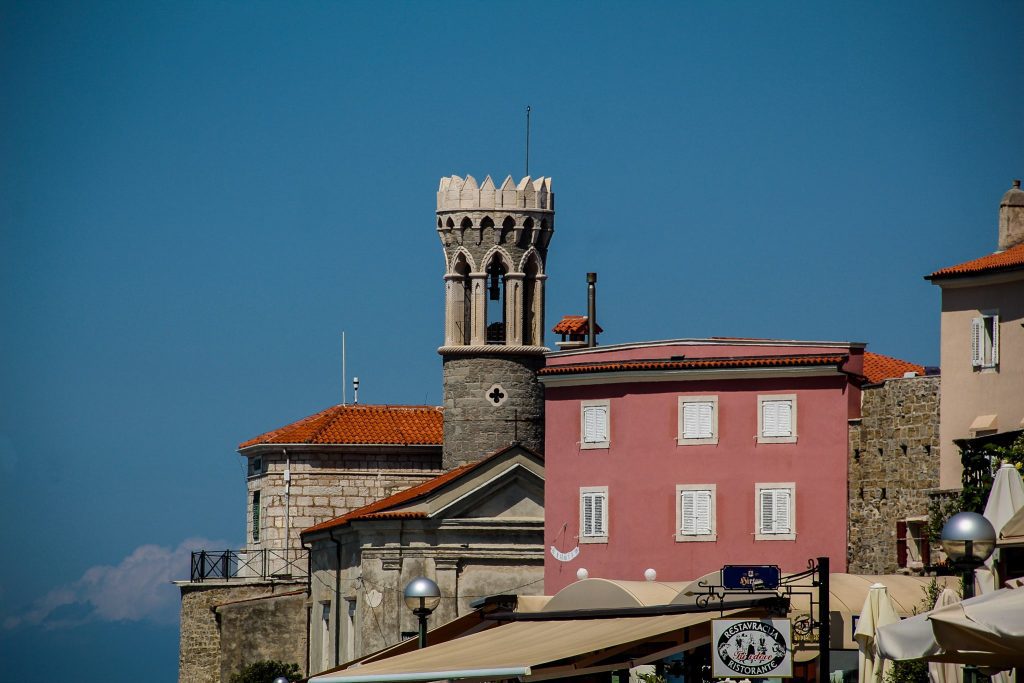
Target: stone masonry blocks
{"points": [[473, 425]]}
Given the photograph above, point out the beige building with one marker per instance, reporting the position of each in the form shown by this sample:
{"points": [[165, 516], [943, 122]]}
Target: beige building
{"points": [[982, 352]]}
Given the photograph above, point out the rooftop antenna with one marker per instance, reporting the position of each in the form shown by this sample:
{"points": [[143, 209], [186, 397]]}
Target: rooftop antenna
{"points": [[344, 375], [355, 390], [527, 140]]}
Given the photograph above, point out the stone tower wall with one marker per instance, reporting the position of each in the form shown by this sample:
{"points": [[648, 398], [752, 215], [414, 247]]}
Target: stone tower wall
{"points": [[474, 422], [893, 465]]}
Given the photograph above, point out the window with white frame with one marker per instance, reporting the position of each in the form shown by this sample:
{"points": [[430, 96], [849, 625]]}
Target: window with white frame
{"points": [[594, 424], [775, 517], [985, 340], [776, 418], [594, 514], [695, 512], [698, 420]]}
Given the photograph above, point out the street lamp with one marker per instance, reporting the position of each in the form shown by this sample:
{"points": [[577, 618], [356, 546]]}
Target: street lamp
{"points": [[422, 596], [968, 539]]}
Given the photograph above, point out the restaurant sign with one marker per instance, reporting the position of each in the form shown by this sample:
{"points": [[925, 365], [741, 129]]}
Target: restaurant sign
{"points": [[751, 648]]}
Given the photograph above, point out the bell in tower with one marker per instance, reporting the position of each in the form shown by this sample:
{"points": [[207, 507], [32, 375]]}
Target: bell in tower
{"points": [[495, 243]]}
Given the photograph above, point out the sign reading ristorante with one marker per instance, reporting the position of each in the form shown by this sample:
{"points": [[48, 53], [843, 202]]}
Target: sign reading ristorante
{"points": [[751, 648]]}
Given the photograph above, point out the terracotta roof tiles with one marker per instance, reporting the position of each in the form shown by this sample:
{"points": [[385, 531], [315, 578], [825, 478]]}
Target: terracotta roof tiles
{"points": [[878, 368], [361, 424], [574, 324], [1010, 259], [697, 364]]}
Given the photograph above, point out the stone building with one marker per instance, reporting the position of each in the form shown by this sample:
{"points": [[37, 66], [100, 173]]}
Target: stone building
{"points": [[312, 470], [477, 531], [893, 466]]}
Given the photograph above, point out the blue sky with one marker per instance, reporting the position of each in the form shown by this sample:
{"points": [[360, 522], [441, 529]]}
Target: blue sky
{"points": [[197, 198]]}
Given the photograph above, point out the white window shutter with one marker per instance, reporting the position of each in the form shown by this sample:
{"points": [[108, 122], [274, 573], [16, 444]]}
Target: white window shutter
{"points": [[783, 525], [995, 340], [702, 514], [691, 421], [767, 511], [706, 411], [595, 424], [588, 514], [600, 515], [784, 426], [688, 510], [977, 342], [769, 418]]}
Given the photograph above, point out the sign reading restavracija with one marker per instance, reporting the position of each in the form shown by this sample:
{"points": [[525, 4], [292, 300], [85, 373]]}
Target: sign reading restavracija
{"points": [[752, 648]]}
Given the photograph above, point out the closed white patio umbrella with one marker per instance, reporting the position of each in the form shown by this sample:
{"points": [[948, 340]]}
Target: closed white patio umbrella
{"points": [[944, 672], [1004, 500], [878, 611]]}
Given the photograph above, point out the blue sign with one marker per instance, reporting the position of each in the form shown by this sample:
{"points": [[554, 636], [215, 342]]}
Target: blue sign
{"points": [[751, 577]]}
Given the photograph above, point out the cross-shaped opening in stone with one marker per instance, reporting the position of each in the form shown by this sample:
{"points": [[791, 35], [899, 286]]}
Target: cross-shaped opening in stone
{"points": [[496, 395]]}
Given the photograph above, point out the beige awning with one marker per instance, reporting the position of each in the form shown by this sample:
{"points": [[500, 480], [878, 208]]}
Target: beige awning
{"points": [[541, 650], [611, 594]]}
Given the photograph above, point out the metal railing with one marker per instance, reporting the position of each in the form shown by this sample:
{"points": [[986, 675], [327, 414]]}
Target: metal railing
{"points": [[227, 565]]}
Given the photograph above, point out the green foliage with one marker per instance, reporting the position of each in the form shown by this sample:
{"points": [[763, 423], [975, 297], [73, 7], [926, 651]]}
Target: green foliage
{"points": [[979, 470], [651, 678], [266, 671], [941, 508]]}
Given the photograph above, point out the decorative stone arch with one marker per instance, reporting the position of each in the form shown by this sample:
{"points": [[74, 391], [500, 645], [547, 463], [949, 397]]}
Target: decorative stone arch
{"points": [[531, 255], [486, 223], [528, 233], [499, 251], [455, 259]]}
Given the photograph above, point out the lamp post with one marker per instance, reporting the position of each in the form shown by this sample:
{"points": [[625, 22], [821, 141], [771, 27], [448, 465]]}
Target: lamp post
{"points": [[968, 540], [422, 596]]}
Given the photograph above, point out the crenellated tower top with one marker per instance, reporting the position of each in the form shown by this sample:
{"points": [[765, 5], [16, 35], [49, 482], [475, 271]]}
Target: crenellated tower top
{"points": [[457, 194]]}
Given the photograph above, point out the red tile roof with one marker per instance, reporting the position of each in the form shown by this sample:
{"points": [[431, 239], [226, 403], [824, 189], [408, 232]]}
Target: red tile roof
{"points": [[698, 364], [574, 324], [361, 424], [1011, 259], [381, 509], [878, 368]]}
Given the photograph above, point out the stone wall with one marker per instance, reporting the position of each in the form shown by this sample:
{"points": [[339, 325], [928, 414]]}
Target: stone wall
{"points": [[199, 656], [475, 424], [272, 627], [329, 483], [893, 465]]}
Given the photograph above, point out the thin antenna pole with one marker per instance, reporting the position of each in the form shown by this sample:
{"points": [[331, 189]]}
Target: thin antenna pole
{"points": [[344, 373], [527, 140]]}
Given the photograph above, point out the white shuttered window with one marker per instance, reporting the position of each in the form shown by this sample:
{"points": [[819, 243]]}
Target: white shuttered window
{"points": [[695, 512], [594, 421], [985, 341], [698, 420], [776, 418], [593, 514], [776, 511]]}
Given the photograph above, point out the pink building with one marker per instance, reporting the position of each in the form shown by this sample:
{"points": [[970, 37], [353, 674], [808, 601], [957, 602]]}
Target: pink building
{"points": [[686, 455]]}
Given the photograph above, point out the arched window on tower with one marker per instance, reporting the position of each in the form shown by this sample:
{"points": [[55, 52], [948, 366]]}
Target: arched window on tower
{"points": [[526, 236], [461, 302], [495, 299]]}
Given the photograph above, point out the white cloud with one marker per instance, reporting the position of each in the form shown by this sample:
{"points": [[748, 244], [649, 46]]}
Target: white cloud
{"points": [[136, 589]]}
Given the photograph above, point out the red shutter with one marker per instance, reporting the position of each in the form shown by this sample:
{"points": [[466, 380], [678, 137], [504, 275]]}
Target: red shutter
{"points": [[901, 544]]}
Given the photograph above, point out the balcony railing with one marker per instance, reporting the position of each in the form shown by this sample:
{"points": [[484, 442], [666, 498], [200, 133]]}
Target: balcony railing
{"points": [[228, 565]]}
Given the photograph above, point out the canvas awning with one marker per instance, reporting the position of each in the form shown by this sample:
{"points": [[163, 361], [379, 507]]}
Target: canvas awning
{"points": [[541, 650]]}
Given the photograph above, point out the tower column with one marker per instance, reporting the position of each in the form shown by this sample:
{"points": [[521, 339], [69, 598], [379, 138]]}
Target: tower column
{"points": [[478, 316], [514, 309], [537, 306]]}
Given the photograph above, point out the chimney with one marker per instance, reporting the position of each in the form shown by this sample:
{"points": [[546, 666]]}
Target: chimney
{"points": [[1011, 218], [591, 310]]}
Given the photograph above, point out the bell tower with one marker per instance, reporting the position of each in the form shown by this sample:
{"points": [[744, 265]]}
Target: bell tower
{"points": [[495, 243]]}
